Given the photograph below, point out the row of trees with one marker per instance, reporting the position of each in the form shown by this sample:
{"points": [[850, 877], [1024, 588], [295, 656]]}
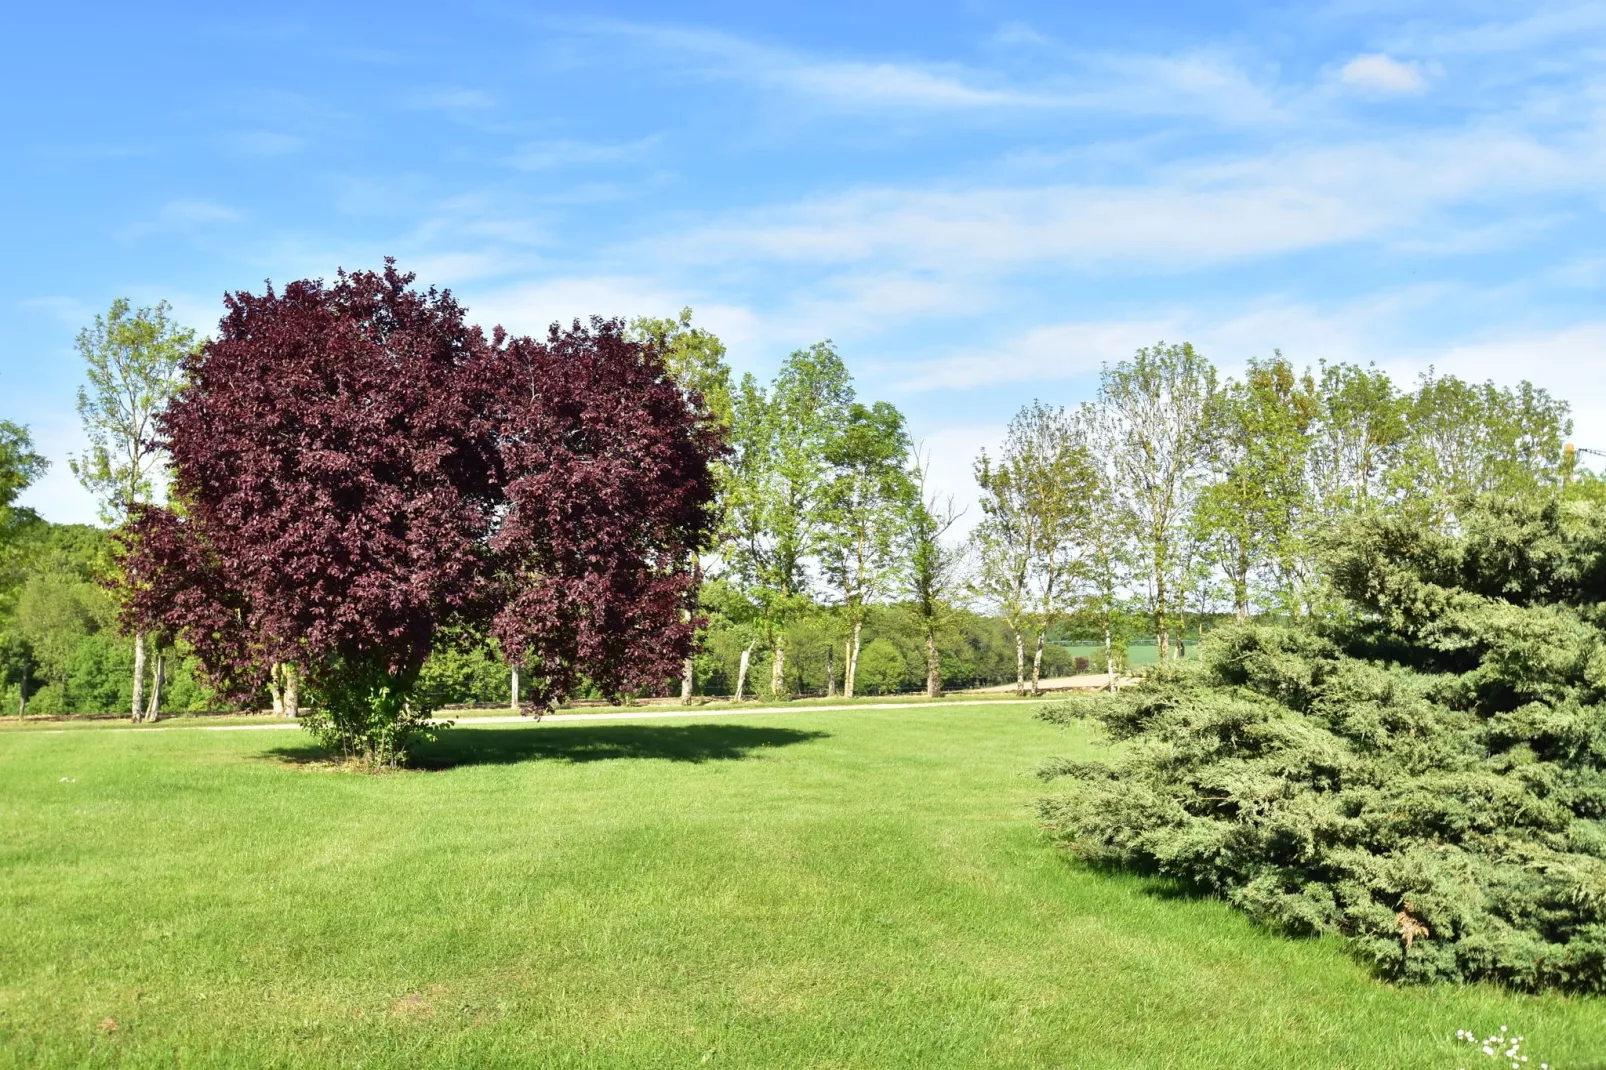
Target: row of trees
{"points": [[1173, 493], [823, 510], [1171, 498]]}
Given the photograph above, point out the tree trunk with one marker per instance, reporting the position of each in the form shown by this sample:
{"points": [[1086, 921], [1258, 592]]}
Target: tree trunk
{"points": [[778, 668], [933, 669], [139, 676], [1162, 634], [1020, 664], [513, 689], [276, 688], [741, 673], [1109, 654], [853, 666], [153, 712], [22, 690], [830, 671], [292, 689], [850, 655], [686, 682], [1037, 661]]}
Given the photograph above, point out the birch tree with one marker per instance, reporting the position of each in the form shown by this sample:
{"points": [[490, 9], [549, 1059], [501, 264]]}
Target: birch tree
{"points": [[1001, 548], [864, 507], [1246, 517], [1056, 479], [1106, 542], [935, 568], [1155, 414], [779, 473], [133, 363]]}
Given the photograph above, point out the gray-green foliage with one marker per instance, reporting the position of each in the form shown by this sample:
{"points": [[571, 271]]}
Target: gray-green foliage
{"points": [[1425, 777]]}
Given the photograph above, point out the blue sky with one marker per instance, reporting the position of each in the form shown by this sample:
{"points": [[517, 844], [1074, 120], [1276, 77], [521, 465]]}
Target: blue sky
{"points": [[979, 202]]}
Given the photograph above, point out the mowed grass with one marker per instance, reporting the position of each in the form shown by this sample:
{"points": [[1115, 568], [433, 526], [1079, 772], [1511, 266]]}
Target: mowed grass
{"points": [[860, 888]]}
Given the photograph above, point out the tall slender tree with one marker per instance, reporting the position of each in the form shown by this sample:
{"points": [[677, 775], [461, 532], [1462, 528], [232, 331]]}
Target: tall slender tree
{"points": [[1155, 410], [781, 439], [1258, 443], [1107, 544], [1058, 480], [1002, 547], [133, 360], [935, 567], [863, 510]]}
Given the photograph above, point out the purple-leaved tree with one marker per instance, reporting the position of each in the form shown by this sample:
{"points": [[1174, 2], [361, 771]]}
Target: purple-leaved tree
{"points": [[356, 467]]}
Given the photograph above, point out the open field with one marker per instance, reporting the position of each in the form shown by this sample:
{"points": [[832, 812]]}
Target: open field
{"points": [[858, 888]]}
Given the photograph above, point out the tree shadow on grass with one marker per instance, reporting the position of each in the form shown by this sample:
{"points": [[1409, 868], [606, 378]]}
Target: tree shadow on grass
{"points": [[455, 747]]}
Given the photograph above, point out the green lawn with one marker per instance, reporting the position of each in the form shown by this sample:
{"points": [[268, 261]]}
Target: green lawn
{"points": [[858, 888]]}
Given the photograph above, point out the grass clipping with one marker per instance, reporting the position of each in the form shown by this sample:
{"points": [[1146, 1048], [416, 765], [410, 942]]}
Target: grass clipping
{"points": [[1425, 778]]}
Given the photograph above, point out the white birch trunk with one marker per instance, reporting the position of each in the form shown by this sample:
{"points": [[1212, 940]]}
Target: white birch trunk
{"points": [[292, 690], [1109, 655], [686, 682], [513, 688], [153, 712], [741, 673], [139, 676], [847, 668], [830, 671], [276, 688], [853, 667], [1037, 662]]}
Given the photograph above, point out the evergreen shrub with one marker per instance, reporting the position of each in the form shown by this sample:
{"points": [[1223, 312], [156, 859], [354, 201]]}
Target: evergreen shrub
{"points": [[1424, 776]]}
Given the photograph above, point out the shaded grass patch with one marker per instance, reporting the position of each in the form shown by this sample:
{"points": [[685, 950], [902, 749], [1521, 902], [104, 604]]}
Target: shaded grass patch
{"points": [[455, 747]]}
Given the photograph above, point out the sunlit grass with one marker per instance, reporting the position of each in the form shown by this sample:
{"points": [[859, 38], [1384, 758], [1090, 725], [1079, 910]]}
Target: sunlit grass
{"points": [[850, 888]]}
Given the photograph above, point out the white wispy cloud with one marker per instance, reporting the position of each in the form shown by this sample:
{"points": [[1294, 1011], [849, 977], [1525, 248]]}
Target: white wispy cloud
{"points": [[185, 215], [1382, 74], [1537, 29], [531, 307], [548, 155], [1080, 81]]}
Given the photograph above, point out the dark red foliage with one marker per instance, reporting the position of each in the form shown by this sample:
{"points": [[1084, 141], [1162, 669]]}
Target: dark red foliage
{"points": [[359, 467], [175, 585], [324, 455], [607, 487]]}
